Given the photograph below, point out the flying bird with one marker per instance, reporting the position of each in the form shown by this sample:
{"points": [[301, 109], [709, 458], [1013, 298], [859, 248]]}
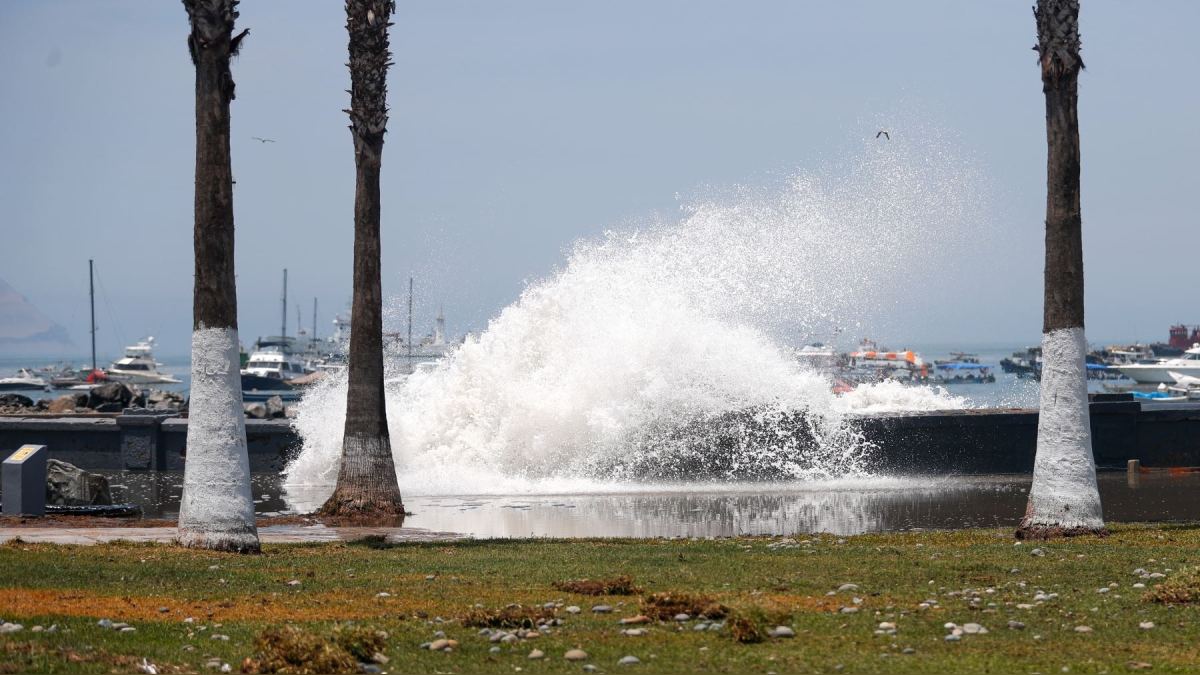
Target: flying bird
{"points": [[260, 139], [884, 134]]}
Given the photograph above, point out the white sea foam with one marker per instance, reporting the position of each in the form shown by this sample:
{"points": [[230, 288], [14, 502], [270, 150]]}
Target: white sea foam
{"points": [[656, 353], [892, 396]]}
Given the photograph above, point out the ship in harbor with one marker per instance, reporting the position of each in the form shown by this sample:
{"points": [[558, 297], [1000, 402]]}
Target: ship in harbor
{"points": [[138, 366], [869, 363], [962, 368], [1165, 371], [1180, 338]]}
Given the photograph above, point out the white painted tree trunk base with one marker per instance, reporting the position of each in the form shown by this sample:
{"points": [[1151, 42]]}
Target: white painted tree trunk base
{"points": [[1064, 495], [217, 510]]}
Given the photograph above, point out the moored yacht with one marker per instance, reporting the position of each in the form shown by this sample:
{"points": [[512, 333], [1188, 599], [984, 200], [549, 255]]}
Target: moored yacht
{"points": [[25, 379], [1161, 371], [272, 365], [138, 366]]}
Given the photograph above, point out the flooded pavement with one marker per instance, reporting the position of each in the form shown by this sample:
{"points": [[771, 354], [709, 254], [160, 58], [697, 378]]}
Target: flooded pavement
{"points": [[840, 507], [276, 534]]}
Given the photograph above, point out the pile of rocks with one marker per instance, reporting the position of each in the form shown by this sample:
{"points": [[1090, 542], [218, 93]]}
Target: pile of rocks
{"points": [[272, 408], [106, 398]]}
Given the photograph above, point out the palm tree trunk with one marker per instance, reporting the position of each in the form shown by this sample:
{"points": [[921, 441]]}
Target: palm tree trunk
{"points": [[367, 489], [1064, 499], [216, 511]]}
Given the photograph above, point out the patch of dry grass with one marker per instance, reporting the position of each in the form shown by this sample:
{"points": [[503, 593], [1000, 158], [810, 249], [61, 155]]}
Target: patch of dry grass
{"points": [[289, 649], [1183, 589], [622, 585], [509, 616], [664, 606]]}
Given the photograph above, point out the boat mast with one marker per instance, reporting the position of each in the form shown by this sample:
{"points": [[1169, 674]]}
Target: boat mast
{"points": [[283, 328], [410, 298], [314, 333], [92, 299]]}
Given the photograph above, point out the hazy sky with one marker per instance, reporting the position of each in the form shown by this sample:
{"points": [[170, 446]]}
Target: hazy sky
{"points": [[518, 127]]}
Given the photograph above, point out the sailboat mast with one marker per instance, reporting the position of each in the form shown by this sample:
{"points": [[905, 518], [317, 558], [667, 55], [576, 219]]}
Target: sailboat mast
{"points": [[410, 298], [92, 299], [314, 333], [283, 328]]}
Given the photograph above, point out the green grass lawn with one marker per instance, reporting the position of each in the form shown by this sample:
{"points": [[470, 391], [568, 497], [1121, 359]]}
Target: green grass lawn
{"points": [[976, 576]]}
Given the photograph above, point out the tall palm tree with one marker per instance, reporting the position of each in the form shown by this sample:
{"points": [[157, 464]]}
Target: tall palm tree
{"points": [[366, 485], [1064, 499], [217, 511]]}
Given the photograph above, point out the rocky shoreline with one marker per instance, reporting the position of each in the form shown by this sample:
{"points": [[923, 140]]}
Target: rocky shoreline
{"points": [[116, 397]]}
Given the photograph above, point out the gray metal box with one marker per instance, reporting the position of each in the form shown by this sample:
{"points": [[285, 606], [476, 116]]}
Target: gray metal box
{"points": [[24, 481]]}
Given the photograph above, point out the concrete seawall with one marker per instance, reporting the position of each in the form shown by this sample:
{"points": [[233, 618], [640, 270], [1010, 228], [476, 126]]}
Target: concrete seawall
{"points": [[956, 441], [138, 442], [1005, 440]]}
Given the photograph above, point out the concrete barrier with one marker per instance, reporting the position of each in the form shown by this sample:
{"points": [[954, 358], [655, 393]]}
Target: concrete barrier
{"points": [[136, 441], [955, 441]]}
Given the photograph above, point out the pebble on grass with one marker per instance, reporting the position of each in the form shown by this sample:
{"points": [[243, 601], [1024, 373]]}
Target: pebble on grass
{"points": [[575, 655]]}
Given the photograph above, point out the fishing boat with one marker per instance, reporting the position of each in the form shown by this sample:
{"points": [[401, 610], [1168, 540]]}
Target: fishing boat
{"points": [[1160, 372], [138, 366], [1188, 393], [24, 380], [962, 372], [1025, 363]]}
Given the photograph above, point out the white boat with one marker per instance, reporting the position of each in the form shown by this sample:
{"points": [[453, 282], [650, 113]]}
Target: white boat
{"points": [[1161, 371], [25, 379], [1185, 380], [272, 364], [138, 366], [818, 357]]}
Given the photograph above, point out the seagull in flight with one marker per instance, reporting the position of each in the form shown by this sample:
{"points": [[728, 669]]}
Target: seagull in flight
{"points": [[884, 134], [260, 139]]}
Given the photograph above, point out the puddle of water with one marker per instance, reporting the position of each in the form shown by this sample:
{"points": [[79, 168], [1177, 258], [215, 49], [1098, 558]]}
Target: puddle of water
{"points": [[724, 510]]}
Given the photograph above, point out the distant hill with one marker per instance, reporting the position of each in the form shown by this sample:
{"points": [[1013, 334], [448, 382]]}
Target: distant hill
{"points": [[23, 327]]}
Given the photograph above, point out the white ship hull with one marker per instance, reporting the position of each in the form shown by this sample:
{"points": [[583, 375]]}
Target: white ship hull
{"points": [[143, 377], [1157, 374]]}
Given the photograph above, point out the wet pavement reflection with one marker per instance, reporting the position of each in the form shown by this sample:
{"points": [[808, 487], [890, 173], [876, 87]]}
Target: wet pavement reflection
{"points": [[892, 504]]}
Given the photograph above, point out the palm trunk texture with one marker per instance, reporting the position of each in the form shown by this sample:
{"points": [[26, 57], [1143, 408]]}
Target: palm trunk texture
{"points": [[216, 510], [367, 489], [1064, 499]]}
